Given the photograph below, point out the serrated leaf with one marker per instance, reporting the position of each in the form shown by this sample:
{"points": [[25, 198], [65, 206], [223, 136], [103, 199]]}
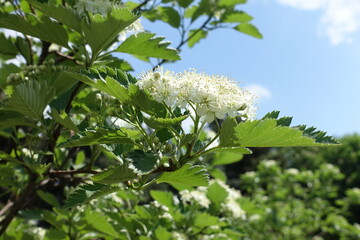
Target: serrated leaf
{"points": [[227, 132], [60, 81], [237, 17], [43, 28], [114, 174], [249, 29], [197, 35], [147, 45], [87, 192], [31, 98], [163, 197], [271, 115], [143, 100], [216, 193], [100, 223], [141, 162], [98, 135], [187, 175], [267, 133], [158, 123], [108, 85], [99, 32], [170, 16], [64, 15], [63, 119]]}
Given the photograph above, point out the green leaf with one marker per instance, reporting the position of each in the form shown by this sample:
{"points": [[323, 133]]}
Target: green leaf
{"points": [[8, 48], [187, 175], [31, 98], [48, 197], [42, 28], [55, 234], [187, 138], [64, 15], [197, 35], [100, 223], [163, 197], [158, 123], [108, 85], [184, 3], [12, 118], [237, 17], [267, 133], [230, 3], [145, 44], [143, 100], [115, 174], [229, 155], [203, 220], [87, 192], [170, 16], [60, 81], [216, 193], [162, 234], [227, 137], [141, 162], [6, 70], [99, 32], [98, 135], [249, 29], [63, 119], [24, 49]]}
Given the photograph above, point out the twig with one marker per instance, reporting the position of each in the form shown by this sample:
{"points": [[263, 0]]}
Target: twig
{"points": [[71, 172]]}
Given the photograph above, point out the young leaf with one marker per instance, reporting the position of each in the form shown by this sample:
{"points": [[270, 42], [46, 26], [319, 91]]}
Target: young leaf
{"points": [[187, 175], [64, 15], [98, 135], [31, 98], [146, 45], [42, 28], [196, 35], [158, 123], [249, 29], [115, 174], [108, 85], [99, 32], [87, 192], [141, 162]]}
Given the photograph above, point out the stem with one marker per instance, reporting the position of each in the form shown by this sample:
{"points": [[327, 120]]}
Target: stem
{"points": [[71, 172], [19, 203]]}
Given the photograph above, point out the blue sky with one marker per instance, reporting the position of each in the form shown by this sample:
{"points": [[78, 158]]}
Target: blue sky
{"points": [[307, 66]]}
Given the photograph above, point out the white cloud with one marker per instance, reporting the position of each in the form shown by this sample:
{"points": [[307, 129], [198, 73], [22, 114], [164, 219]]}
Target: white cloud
{"points": [[260, 91], [340, 18]]}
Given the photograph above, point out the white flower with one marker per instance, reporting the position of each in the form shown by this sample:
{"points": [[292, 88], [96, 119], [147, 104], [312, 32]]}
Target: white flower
{"points": [[234, 209], [212, 95], [292, 171], [269, 163], [198, 196]]}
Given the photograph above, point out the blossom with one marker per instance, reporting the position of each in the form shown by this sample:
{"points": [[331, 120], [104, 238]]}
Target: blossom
{"points": [[198, 196], [211, 95]]}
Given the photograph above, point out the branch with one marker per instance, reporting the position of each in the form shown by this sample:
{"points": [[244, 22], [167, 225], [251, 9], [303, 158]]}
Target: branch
{"points": [[71, 172]]}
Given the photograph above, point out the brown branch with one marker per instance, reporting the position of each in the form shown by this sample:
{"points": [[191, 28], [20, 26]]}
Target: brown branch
{"points": [[18, 203], [44, 51], [71, 172]]}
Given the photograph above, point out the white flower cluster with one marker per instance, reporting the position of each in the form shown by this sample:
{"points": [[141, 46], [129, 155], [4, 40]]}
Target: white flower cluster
{"points": [[212, 95], [230, 205], [198, 196]]}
